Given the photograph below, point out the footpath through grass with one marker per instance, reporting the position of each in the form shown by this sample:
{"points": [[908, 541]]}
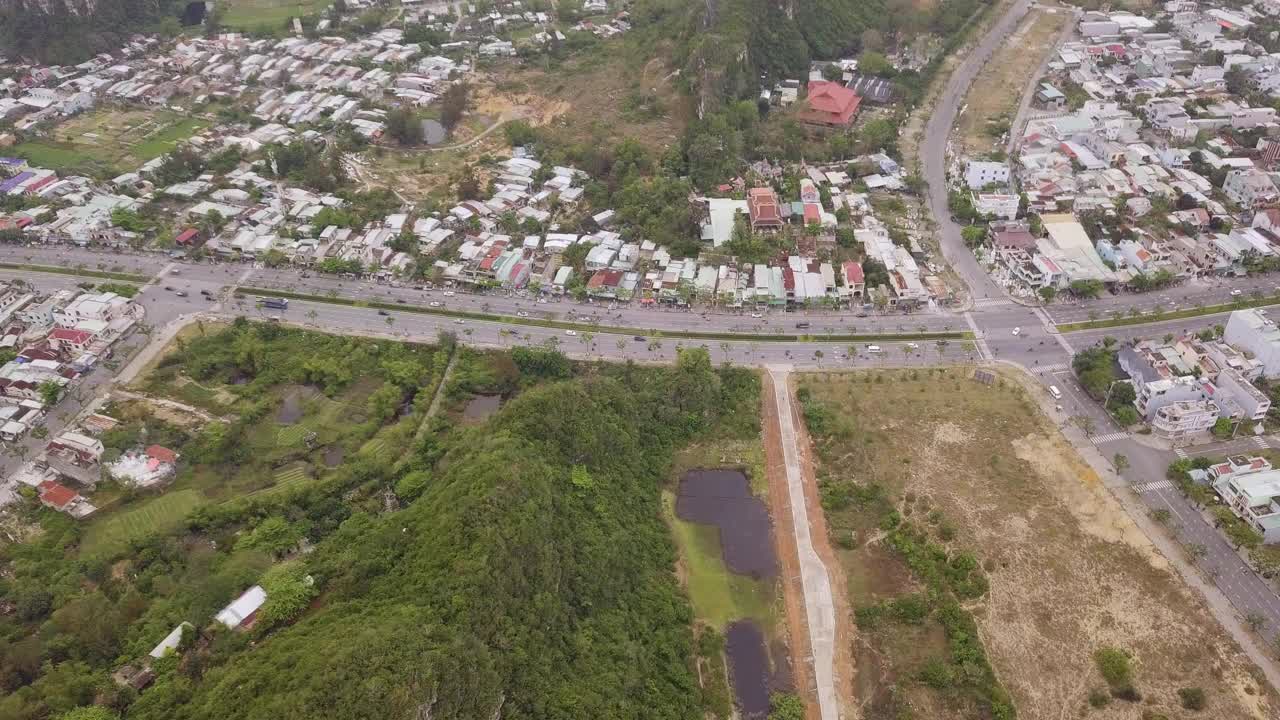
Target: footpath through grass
{"points": [[1145, 319], [609, 329]]}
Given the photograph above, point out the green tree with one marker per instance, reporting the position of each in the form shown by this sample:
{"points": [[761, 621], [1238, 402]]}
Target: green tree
{"points": [[785, 706], [50, 392]]}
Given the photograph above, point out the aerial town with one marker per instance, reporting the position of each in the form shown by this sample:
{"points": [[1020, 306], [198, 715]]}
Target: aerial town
{"points": [[639, 359]]}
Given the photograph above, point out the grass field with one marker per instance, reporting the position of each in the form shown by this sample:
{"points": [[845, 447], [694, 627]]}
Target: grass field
{"points": [[266, 14], [107, 142], [993, 99], [159, 514], [976, 470], [718, 596]]}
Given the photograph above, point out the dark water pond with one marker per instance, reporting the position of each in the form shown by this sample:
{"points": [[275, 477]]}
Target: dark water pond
{"points": [[333, 455], [748, 668], [194, 13], [433, 132], [481, 407], [291, 408], [723, 498]]}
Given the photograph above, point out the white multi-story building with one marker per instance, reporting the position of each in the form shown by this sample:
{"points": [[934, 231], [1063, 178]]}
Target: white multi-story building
{"points": [[1250, 188], [1156, 394], [1252, 490], [1002, 206], [979, 174], [1252, 331], [1184, 419]]}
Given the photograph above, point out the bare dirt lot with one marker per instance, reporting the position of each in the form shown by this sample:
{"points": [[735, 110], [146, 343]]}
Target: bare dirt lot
{"points": [[993, 99], [975, 471]]}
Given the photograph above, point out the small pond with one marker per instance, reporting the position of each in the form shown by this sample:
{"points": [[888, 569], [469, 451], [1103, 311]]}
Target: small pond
{"points": [[481, 407], [723, 498]]}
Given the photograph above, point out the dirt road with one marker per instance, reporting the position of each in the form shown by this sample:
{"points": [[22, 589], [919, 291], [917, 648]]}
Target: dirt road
{"points": [[819, 603]]}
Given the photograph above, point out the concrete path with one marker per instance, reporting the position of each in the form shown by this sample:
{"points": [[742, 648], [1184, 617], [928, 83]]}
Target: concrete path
{"points": [[818, 602]]}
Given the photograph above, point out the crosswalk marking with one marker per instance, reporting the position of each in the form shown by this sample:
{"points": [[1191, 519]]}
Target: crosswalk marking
{"points": [[1154, 485], [1052, 368], [1180, 453], [992, 302], [1108, 437], [1260, 442]]}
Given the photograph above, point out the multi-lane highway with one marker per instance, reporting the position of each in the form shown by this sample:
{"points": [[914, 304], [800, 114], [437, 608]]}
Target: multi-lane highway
{"points": [[1003, 331]]}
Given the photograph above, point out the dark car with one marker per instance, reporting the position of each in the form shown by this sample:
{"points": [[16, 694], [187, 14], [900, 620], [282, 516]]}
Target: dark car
{"points": [[383, 312], [639, 338], [400, 300], [802, 326]]}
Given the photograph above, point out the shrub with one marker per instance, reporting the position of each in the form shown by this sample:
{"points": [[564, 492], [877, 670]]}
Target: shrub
{"points": [[1126, 692], [1113, 663], [1192, 698], [1098, 697]]}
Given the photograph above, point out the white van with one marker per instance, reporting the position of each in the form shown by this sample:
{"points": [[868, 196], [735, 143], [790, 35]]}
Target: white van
{"points": [[1055, 392], [873, 349]]}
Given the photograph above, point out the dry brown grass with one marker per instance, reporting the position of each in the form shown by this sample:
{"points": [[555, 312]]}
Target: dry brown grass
{"points": [[604, 95], [993, 99], [1069, 570]]}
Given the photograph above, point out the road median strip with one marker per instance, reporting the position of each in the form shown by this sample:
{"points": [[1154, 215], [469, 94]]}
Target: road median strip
{"points": [[608, 329], [1145, 319], [130, 277]]}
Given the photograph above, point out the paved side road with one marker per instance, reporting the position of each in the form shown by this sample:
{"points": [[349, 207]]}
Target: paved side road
{"points": [[934, 151], [819, 603]]}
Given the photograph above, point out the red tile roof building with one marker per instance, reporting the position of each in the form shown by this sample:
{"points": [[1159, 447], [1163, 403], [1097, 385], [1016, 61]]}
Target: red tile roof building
{"points": [[56, 496], [830, 104], [162, 453], [762, 207]]}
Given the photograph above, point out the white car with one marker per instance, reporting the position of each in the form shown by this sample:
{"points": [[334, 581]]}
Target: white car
{"points": [[913, 346], [542, 301], [1235, 293], [756, 315], [448, 293], [459, 321], [435, 303], [522, 313], [1017, 331], [571, 333]]}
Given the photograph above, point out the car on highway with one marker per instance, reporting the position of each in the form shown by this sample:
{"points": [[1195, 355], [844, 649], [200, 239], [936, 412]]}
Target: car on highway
{"points": [[756, 315], [862, 314], [874, 349], [542, 301], [435, 303], [913, 346], [802, 326], [522, 313], [383, 312], [572, 333], [1017, 331], [458, 321], [1235, 292], [169, 288], [181, 293], [400, 300], [449, 293], [638, 338]]}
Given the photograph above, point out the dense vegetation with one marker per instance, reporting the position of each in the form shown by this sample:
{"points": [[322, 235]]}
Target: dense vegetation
{"points": [[517, 565], [53, 32]]}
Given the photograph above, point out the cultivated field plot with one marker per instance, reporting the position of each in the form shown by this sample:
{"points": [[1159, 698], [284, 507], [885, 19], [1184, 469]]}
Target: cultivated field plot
{"points": [[993, 99], [107, 141], [969, 530], [266, 14], [157, 515]]}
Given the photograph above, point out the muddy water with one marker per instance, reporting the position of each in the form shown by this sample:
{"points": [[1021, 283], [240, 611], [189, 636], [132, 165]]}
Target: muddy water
{"points": [[333, 455], [291, 408], [481, 407], [748, 668], [723, 498]]}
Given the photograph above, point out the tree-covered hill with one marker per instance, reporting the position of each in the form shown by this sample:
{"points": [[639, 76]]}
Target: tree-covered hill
{"points": [[531, 579]]}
